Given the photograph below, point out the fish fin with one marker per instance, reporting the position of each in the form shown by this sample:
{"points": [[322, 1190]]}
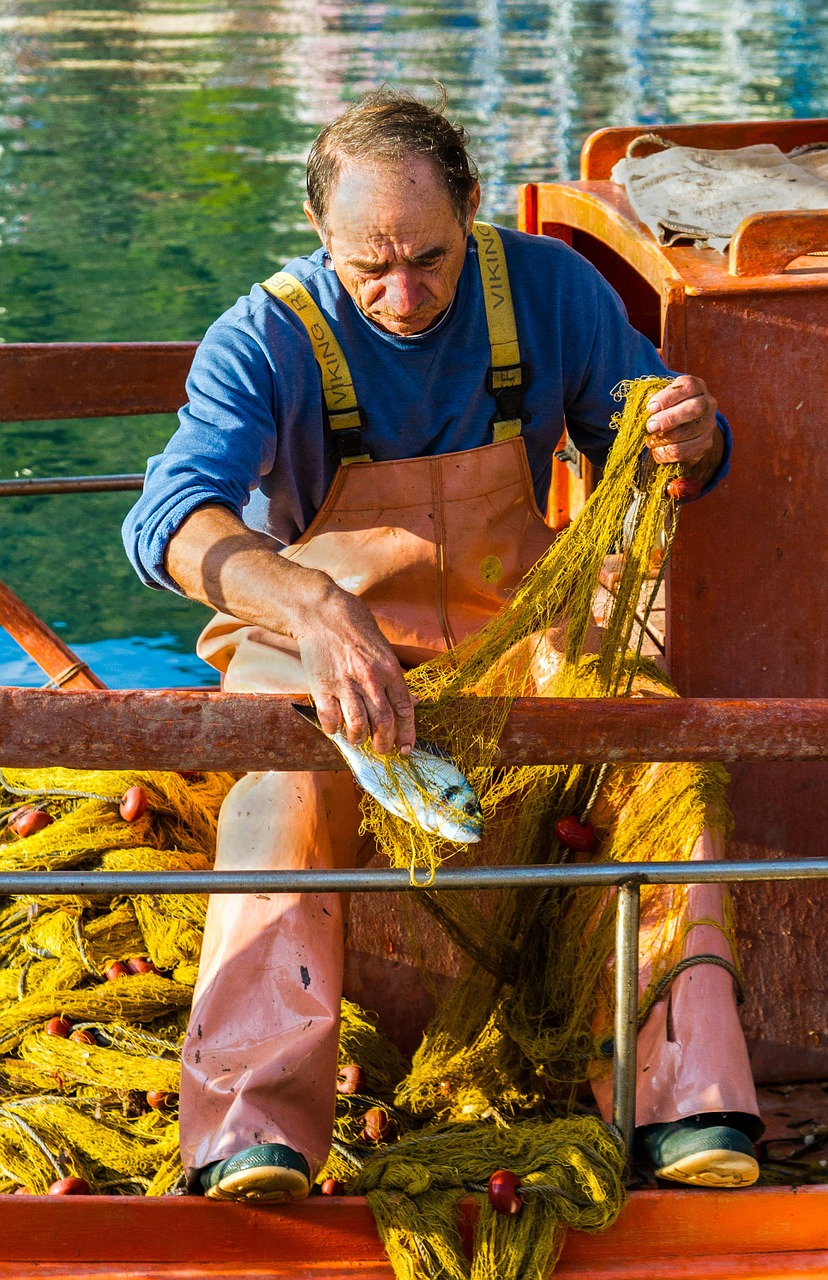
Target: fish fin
{"points": [[307, 713]]}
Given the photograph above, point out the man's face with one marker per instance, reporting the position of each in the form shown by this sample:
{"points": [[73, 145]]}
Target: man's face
{"points": [[395, 242]]}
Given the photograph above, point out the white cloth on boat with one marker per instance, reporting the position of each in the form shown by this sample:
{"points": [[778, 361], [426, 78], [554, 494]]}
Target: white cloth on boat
{"points": [[690, 193]]}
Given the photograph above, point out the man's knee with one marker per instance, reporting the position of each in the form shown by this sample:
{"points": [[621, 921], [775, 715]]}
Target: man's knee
{"points": [[275, 821]]}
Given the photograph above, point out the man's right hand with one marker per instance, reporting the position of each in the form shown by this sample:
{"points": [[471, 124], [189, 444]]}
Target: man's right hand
{"points": [[354, 677]]}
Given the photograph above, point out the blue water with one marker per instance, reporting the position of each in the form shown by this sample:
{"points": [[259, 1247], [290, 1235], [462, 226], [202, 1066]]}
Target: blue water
{"points": [[152, 168]]}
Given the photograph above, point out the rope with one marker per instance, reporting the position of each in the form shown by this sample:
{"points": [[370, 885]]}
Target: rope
{"points": [[648, 137], [63, 677], [36, 1139], [687, 963], [55, 791], [608, 1047]]}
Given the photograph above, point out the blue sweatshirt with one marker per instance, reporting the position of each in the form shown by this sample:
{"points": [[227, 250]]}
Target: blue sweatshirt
{"points": [[253, 437]]}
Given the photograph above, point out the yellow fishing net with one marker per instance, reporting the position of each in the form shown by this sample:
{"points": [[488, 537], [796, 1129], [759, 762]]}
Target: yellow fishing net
{"points": [[494, 1080], [82, 1107], [493, 1084]]}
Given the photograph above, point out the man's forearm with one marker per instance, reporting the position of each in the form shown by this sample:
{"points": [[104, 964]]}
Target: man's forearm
{"points": [[216, 559], [353, 675]]}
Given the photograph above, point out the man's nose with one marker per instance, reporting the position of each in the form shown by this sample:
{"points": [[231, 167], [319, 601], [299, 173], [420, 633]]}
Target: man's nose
{"points": [[403, 294]]}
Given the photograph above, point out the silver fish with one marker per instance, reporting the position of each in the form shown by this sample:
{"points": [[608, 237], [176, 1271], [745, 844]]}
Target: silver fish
{"points": [[424, 788]]}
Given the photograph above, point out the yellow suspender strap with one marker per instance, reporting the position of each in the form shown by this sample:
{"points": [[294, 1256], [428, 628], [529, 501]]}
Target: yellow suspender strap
{"points": [[507, 377], [344, 414]]}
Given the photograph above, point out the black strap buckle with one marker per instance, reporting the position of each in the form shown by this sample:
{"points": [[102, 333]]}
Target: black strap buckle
{"points": [[508, 383], [348, 435]]}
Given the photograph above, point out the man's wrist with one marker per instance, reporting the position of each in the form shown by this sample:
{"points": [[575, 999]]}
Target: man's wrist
{"points": [[713, 468], [705, 469]]}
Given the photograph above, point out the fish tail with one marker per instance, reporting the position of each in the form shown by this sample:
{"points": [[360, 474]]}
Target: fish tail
{"points": [[307, 713]]}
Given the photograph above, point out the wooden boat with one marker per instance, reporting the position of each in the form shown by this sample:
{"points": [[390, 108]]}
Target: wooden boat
{"points": [[745, 624]]}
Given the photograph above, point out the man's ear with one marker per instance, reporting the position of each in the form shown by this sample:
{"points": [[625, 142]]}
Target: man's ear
{"points": [[311, 217], [474, 205]]}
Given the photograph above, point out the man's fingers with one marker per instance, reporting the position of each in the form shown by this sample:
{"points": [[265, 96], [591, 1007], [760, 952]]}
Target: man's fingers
{"points": [[678, 416], [383, 723], [356, 721], [689, 451], [329, 713], [682, 422], [684, 387], [403, 707]]}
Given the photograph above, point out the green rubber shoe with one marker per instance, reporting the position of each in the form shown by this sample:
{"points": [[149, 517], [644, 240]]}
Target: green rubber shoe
{"points": [[270, 1172], [699, 1155]]}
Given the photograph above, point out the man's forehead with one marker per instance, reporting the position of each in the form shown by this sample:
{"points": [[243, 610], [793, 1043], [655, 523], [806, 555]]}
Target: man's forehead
{"points": [[377, 207]]}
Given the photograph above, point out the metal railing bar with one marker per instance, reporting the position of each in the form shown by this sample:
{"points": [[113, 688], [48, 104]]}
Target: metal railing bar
{"points": [[102, 883], [624, 1059], [30, 486]]}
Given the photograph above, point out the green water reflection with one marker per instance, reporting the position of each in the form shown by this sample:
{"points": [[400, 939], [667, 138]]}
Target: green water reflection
{"points": [[153, 168]]}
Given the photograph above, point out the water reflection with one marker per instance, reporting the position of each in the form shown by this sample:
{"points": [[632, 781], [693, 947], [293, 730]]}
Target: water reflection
{"points": [[153, 167]]}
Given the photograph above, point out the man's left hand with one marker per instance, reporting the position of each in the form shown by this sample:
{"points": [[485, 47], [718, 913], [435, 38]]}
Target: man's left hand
{"points": [[683, 427]]}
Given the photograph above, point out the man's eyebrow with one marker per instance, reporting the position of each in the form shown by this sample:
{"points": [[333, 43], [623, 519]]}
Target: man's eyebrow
{"points": [[373, 264]]}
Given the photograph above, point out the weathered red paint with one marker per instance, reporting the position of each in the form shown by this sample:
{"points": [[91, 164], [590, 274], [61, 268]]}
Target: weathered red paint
{"points": [[162, 729], [43, 381]]}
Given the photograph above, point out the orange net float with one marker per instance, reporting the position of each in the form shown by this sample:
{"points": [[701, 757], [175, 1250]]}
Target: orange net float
{"points": [[377, 1125], [27, 822], [70, 1187], [58, 1027], [162, 1100], [350, 1079], [134, 804]]}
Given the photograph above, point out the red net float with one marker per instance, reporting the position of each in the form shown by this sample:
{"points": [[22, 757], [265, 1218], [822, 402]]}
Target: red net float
{"points": [[684, 489], [27, 822], [58, 1027], [578, 836], [504, 1192], [134, 804], [140, 964]]}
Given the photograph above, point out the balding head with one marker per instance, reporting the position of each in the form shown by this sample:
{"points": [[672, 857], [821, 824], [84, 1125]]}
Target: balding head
{"points": [[386, 128]]}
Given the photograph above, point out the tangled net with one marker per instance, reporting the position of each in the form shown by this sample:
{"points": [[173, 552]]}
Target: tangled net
{"points": [[493, 1084], [100, 1106]]}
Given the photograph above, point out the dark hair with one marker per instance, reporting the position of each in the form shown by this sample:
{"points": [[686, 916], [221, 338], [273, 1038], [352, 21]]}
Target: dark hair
{"points": [[387, 125]]}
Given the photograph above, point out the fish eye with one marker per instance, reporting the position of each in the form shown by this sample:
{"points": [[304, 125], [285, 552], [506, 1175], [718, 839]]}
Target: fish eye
{"points": [[472, 809]]}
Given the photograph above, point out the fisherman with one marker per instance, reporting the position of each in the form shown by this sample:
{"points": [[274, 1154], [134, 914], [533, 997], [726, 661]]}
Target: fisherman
{"points": [[363, 431]]}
